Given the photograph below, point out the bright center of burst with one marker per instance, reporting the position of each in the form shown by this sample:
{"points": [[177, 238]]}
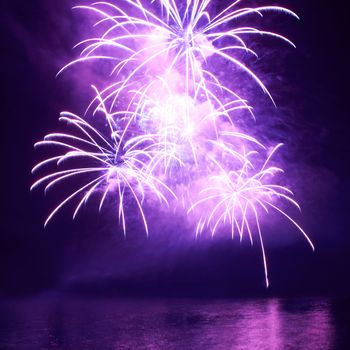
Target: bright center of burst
{"points": [[174, 116]]}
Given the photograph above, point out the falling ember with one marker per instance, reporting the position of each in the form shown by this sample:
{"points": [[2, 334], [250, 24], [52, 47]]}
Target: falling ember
{"points": [[171, 122]]}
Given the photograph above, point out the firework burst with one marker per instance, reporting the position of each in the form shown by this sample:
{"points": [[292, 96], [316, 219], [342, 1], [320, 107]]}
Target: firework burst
{"points": [[171, 122], [117, 166], [237, 196]]}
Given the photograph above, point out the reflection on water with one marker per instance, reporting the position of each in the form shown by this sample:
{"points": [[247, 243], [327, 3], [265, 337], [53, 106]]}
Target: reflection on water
{"points": [[80, 323]]}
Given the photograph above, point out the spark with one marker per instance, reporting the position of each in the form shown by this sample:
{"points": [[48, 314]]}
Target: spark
{"points": [[173, 39], [237, 196], [118, 166], [171, 115]]}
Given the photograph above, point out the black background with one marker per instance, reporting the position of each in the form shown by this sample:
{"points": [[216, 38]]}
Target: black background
{"points": [[90, 255]]}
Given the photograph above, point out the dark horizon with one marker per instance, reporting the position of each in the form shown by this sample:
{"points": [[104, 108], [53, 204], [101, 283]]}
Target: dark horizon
{"points": [[91, 256]]}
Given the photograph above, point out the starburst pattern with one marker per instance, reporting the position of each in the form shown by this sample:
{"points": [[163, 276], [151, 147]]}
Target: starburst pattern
{"points": [[170, 120]]}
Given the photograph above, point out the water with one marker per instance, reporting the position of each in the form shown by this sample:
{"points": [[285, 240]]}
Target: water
{"points": [[101, 323]]}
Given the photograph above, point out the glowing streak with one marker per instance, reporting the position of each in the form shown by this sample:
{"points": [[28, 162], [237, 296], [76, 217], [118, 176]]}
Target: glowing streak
{"points": [[243, 189], [122, 168], [176, 137], [182, 37]]}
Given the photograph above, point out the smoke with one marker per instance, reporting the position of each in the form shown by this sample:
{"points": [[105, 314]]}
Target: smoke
{"points": [[270, 127]]}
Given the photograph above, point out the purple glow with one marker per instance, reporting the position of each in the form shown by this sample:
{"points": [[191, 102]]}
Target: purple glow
{"points": [[267, 324], [170, 131]]}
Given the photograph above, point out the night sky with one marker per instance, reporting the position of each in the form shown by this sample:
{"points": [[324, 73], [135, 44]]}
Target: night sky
{"points": [[91, 255]]}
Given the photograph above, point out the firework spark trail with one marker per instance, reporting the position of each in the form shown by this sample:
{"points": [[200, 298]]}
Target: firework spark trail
{"points": [[117, 166], [177, 41], [176, 137], [234, 196]]}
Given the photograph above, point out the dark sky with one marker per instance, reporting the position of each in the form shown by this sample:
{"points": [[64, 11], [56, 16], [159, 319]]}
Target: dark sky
{"points": [[91, 255]]}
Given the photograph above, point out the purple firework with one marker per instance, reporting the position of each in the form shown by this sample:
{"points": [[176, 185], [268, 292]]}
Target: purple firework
{"points": [[171, 121]]}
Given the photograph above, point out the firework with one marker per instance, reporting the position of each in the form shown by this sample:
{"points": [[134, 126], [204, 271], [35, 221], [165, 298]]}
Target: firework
{"points": [[169, 38], [236, 197], [115, 165], [170, 118]]}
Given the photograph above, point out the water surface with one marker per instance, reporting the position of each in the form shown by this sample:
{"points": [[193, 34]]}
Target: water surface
{"points": [[108, 323]]}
